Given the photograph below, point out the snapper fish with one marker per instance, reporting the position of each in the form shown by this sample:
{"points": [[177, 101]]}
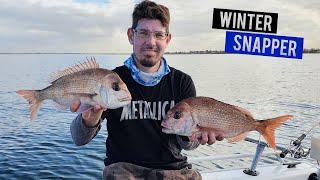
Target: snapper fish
{"points": [[196, 114], [85, 82]]}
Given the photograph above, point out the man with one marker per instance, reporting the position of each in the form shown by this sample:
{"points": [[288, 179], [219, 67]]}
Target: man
{"points": [[136, 146]]}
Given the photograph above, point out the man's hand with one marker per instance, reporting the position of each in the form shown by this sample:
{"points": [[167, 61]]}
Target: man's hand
{"points": [[90, 117], [209, 137]]}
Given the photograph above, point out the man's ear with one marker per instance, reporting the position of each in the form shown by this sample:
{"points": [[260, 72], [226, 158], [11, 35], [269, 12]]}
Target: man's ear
{"points": [[168, 38], [130, 35]]}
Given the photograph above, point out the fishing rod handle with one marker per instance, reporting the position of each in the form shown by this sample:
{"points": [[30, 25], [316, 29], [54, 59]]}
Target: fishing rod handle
{"points": [[297, 142], [284, 153]]}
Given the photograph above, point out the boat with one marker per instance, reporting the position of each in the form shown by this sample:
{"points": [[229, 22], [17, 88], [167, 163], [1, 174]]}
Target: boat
{"points": [[281, 172], [296, 167]]}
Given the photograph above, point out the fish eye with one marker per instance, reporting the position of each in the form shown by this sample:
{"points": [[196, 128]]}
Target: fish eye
{"points": [[115, 86], [177, 115]]}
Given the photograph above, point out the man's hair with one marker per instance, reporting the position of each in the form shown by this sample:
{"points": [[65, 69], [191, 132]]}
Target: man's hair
{"points": [[151, 10]]}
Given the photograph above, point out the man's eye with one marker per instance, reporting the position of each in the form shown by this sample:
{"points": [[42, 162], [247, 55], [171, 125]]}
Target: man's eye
{"points": [[143, 33], [160, 35], [177, 115], [115, 86]]}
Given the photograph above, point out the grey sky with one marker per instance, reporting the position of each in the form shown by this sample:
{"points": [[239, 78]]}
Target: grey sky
{"points": [[97, 26]]}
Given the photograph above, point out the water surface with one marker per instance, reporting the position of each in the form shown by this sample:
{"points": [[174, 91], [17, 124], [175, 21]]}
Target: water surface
{"points": [[43, 148]]}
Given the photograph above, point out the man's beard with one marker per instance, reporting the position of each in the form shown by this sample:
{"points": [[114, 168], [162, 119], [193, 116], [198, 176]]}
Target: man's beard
{"points": [[147, 62]]}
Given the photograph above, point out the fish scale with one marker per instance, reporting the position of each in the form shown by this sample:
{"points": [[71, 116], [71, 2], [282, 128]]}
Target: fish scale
{"points": [[221, 115]]}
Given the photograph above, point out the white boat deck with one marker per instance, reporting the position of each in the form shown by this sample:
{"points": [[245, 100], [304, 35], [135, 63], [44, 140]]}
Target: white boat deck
{"points": [[300, 172], [227, 161]]}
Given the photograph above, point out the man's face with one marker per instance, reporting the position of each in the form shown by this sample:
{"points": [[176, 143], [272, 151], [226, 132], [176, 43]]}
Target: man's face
{"points": [[148, 44]]}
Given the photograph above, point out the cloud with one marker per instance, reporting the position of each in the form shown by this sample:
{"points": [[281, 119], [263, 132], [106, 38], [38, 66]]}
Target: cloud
{"points": [[61, 26], [192, 21], [94, 26]]}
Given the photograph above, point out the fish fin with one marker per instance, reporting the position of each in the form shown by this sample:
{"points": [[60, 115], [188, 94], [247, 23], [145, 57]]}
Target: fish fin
{"points": [[64, 104], [238, 137], [84, 107], [267, 128], [89, 64], [34, 101], [243, 110]]}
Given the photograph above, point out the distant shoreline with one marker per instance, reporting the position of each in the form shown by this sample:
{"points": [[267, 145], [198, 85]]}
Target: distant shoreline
{"points": [[305, 51], [69, 53]]}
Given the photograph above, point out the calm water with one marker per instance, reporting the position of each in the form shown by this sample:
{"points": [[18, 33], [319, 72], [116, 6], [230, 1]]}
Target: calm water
{"points": [[43, 148]]}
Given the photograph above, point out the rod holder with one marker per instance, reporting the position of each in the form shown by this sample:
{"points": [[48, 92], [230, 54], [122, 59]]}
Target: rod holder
{"points": [[252, 171]]}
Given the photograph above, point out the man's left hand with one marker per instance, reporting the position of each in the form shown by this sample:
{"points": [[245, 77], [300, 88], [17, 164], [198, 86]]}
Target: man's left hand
{"points": [[209, 137]]}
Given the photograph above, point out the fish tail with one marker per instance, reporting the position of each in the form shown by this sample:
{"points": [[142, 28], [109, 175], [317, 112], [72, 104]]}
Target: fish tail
{"points": [[33, 97], [267, 128]]}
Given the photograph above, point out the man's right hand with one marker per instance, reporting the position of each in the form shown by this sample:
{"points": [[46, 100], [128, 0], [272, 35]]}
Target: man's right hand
{"points": [[90, 117], [206, 136]]}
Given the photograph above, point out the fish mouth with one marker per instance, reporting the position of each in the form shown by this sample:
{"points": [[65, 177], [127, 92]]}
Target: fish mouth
{"points": [[125, 99], [167, 130], [172, 131], [165, 125]]}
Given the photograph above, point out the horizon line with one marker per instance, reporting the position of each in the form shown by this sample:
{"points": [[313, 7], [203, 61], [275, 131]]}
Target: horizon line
{"points": [[311, 50]]}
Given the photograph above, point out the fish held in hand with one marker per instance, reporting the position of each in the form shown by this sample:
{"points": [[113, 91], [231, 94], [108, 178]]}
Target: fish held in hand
{"points": [[198, 114], [85, 82]]}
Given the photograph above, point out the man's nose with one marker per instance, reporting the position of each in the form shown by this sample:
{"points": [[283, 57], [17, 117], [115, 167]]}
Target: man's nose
{"points": [[151, 39]]}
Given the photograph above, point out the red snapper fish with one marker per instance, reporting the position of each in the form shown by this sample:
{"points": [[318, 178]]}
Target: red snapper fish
{"points": [[87, 83], [196, 114]]}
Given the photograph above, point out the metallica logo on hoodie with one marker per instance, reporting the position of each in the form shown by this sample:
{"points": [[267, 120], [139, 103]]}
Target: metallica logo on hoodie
{"points": [[146, 110]]}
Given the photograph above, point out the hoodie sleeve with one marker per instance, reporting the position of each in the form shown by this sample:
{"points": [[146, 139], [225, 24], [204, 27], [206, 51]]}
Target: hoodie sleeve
{"points": [[81, 134], [187, 88]]}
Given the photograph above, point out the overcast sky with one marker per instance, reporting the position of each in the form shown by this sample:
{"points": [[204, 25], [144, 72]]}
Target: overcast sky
{"points": [[100, 26]]}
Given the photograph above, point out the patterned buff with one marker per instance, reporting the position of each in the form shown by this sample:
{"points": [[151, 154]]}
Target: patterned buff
{"points": [[147, 79]]}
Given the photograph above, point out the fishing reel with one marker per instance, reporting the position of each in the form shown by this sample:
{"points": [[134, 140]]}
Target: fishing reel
{"points": [[295, 149], [298, 151]]}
